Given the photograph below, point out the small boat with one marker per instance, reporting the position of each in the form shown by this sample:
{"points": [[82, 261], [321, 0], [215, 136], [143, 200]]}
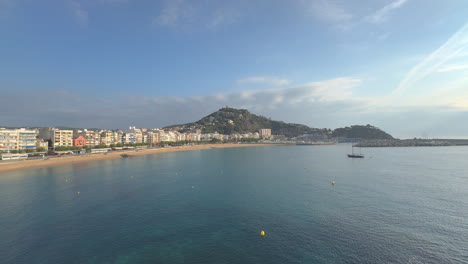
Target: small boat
{"points": [[355, 155], [124, 155]]}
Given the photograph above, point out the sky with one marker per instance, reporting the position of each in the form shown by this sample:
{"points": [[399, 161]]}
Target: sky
{"points": [[401, 65]]}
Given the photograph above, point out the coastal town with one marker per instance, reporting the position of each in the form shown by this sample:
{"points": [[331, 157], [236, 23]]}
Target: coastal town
{"points": [[23, 142], [34, 143]]}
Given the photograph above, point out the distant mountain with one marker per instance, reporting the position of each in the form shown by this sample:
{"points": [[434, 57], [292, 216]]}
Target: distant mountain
{"points": [[364, 132], [230, 120]]}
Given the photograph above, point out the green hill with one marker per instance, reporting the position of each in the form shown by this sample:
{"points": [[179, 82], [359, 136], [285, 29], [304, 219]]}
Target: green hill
{"points": [[364, 132], [230, 120]]}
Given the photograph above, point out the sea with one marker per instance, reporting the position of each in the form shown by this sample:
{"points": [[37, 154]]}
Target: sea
{"points": [[397, 205]]}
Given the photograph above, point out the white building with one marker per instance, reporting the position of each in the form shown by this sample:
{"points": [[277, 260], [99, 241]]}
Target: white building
{"points": [[265, 132], [18, 139], [153, 138], [129, 136]]}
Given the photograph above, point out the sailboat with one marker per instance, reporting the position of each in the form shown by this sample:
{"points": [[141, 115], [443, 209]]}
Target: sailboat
{"points": [[355, 155]]}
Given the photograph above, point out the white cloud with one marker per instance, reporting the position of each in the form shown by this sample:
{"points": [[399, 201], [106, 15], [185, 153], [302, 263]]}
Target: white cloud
{"points": [[452, 48], [223, 16], [327, 10], [328, 103], [81, 15], [275, 81], [452, 67], [381, 15], [315, 98], [209, 14], [172, 13], [337, 89]]}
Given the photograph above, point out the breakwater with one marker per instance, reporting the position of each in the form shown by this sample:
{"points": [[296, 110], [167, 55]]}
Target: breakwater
{"points": [[413, 143]]}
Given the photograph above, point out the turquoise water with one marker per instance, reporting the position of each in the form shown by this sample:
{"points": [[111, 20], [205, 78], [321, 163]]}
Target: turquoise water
{"points": [[398, 205]]}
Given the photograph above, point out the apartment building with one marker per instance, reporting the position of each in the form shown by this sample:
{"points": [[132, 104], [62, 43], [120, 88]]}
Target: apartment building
{"points": [[93, 138], [107, 137], [18, 139], [62, 137], [138, 135], [153, 138], [8, 139], [27, 138], [129, 136], [117, 137], [265, 132], [192, 137]]}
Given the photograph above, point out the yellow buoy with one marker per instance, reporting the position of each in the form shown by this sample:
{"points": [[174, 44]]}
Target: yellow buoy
{"points": [[262, 233], [333, 182]]}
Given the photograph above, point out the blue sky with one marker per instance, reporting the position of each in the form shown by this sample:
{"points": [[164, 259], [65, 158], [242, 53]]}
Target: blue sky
{"points": [[401, 65]]}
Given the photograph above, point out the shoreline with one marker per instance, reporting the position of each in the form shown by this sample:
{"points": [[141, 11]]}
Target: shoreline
{"points": [[56, 161]]}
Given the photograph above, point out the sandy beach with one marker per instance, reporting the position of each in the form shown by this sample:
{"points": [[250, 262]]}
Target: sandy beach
{"points": [[40, 163]]}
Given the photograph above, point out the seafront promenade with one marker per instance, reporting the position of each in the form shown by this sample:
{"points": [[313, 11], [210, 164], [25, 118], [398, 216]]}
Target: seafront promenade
{"points": [[40, 163]]}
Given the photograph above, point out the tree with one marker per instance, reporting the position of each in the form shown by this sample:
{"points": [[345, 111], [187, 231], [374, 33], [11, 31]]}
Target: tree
{"points": [[86, 147], [40, 149], [215, 140], [62, 148], [249, 139]]}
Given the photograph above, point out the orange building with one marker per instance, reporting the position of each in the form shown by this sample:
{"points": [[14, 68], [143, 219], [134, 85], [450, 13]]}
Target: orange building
{"points": [[79, 141]]}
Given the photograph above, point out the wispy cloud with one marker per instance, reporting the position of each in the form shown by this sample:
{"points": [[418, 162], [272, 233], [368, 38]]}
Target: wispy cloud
{"points": [[210, 14], [275, 81], [453, 47], [381, 15], [223, 16], [173, 12], [327, 10], [80, 14], [337, 89], [314, 99], [452, 67], [329, 103]]}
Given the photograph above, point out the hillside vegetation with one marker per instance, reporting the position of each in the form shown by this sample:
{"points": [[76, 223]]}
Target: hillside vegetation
{"points": [[231, 120], [364, 132]]}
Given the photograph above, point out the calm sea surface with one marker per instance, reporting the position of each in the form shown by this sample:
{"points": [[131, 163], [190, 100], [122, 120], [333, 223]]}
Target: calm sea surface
{"points": [[398, 205]]}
